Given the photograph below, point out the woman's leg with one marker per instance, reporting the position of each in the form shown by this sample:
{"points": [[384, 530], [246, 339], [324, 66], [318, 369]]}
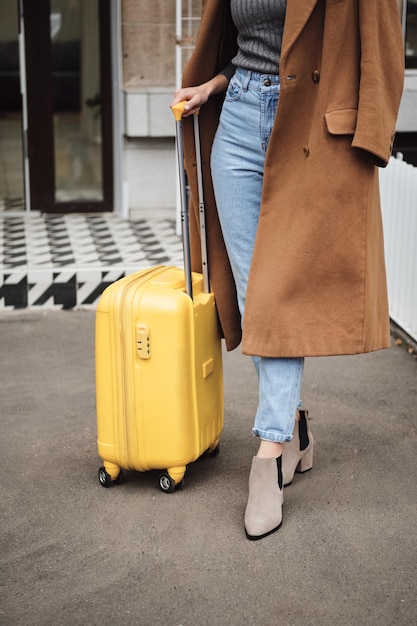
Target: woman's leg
{"points": [[279, 396], [237, 164]]}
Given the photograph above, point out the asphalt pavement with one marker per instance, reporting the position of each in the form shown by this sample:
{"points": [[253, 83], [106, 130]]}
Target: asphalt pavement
{"points": [[73, 553]]}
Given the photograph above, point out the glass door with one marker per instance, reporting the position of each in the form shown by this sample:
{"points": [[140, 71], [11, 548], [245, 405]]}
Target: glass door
{"points": [[12, 188], [76, 101], [69, 104]]}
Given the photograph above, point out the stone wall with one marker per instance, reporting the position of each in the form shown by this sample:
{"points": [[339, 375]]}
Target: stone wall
{"points": [[148, 35], [149, 38]]}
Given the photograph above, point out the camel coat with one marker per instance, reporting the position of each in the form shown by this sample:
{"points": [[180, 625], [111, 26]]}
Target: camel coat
{"points": [[317, 284]]}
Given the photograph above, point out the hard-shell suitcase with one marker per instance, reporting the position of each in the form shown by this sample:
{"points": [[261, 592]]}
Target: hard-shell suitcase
{"points": [[159, 379]]}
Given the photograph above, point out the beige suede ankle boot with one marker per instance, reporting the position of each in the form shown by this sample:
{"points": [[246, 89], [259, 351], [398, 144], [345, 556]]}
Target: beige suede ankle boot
{"points": [[263, 513], [297, 455]]}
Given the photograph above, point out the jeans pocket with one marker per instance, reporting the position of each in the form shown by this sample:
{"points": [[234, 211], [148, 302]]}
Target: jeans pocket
{"points": [[234, 90]]}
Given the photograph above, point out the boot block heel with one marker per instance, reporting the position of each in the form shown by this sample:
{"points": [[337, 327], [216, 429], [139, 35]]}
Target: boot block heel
{"points": [[306, 461]]}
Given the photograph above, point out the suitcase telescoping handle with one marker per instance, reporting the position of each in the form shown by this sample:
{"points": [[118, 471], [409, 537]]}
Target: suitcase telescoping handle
{"points": [[178, 110]]}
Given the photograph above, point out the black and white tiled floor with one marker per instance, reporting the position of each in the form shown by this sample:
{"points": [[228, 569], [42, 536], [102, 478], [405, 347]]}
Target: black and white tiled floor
{"points": [[66, 261]]}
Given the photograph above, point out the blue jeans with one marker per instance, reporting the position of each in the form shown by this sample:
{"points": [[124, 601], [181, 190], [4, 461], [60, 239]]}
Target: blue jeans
{"points": [[237, 165]]}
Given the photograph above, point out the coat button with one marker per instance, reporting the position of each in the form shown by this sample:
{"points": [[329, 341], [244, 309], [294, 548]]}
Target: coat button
{"points": [[306, 151], [267, 82], [316, 76]]}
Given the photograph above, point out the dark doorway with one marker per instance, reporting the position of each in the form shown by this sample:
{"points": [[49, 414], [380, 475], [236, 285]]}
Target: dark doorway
{"points": [[406, 143], [68, 73]]}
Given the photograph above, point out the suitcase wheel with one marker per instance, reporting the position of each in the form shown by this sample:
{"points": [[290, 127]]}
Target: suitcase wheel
{"points": [[215, 451], [106, 480], [168, 484]]}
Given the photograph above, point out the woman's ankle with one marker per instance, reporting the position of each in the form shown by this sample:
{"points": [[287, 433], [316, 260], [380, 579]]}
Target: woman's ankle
{"points": [[269, 449]]}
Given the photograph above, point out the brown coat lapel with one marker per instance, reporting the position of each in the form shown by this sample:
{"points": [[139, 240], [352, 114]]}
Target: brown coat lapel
{"points": [[297, 15]]}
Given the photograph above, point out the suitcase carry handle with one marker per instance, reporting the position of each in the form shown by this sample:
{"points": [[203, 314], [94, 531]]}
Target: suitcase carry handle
{"points": [[178, 110]]}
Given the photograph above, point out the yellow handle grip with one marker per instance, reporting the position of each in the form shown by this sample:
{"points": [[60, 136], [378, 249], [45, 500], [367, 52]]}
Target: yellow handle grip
{"points": [[178, 109]]}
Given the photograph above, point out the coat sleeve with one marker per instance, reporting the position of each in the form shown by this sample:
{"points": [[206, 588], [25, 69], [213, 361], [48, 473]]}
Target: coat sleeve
{"points": [[381, 79], [215, 43], [214, 49]]}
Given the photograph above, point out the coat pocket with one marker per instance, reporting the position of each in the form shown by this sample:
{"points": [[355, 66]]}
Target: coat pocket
{"points": [[341, 122]]}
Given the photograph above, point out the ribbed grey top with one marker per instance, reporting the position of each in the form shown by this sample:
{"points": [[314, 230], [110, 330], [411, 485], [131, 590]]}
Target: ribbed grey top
{"points": [[260, 24]]}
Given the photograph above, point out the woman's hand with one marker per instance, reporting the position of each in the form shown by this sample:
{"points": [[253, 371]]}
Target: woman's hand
{"points": [[197, 96]]}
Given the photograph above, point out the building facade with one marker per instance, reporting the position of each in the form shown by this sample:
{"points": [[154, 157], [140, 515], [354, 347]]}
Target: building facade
{"points": [[85, 87]]}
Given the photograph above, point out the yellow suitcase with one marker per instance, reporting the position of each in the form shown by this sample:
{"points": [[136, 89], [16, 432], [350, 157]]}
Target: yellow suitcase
{"points": [[159, 379]]}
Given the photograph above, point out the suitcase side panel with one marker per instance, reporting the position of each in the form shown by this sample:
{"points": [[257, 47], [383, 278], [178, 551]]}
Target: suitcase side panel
{"points": [[208, 371]]}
